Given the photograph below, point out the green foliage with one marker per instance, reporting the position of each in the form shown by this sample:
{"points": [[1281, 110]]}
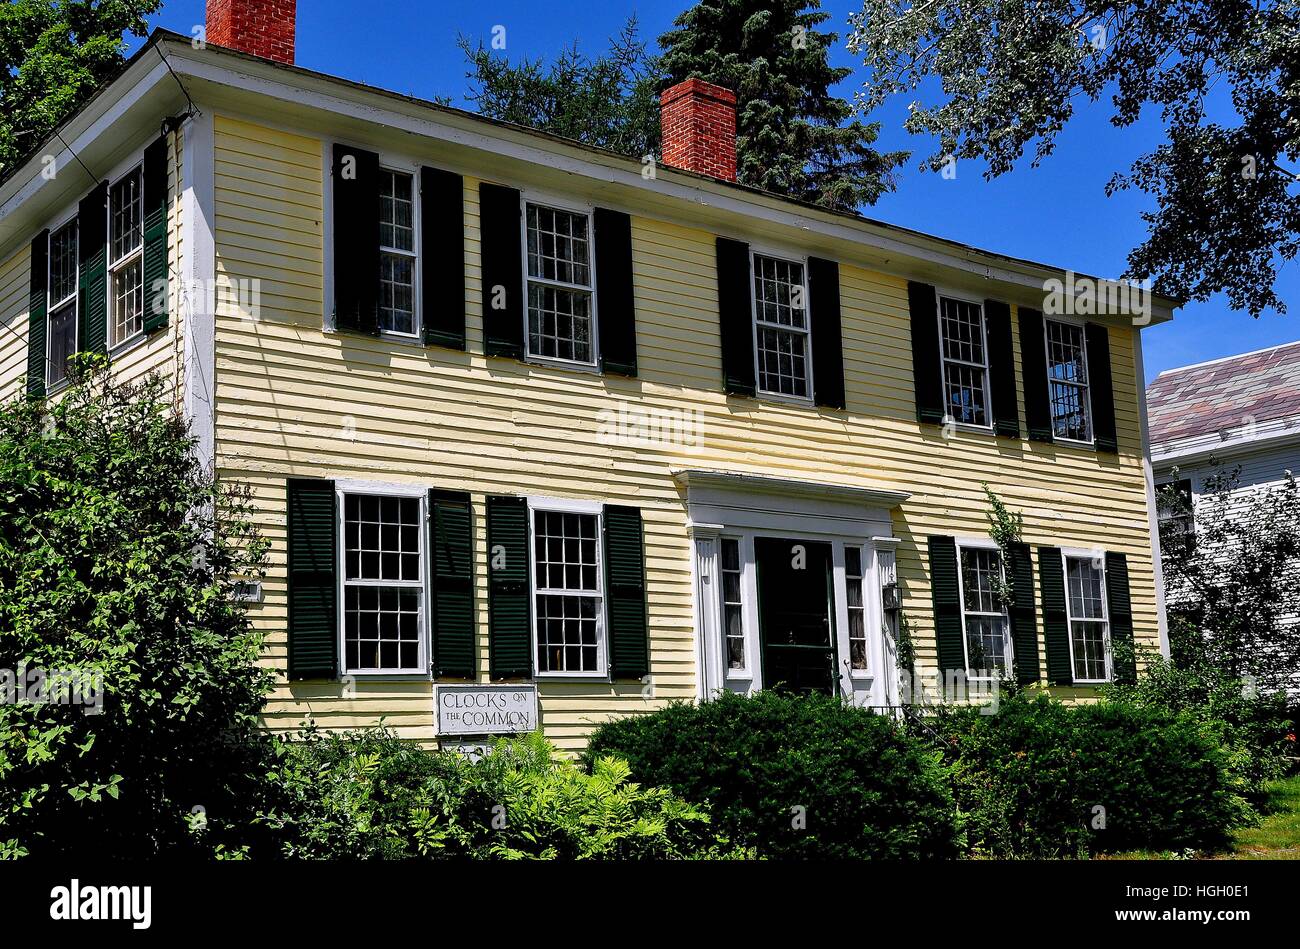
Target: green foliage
{"points": [[793, 777], [610, 102], [370, 795], [1006, 528], [118, 555], [1011, 73], [55, 54], [1039, 779], [1232, 585], [793, 136]]}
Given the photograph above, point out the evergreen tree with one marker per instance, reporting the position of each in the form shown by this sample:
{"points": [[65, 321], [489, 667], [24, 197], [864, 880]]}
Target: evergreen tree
{"points": [[791, 132]]}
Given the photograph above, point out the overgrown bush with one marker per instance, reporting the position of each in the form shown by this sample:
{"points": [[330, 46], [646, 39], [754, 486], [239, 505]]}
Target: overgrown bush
{"points": [[1042, 779], [370, 795], [118, 555], [794, 777]]}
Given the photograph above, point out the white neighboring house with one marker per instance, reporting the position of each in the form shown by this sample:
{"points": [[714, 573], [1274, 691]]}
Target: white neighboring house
{"points": [[1236, 411]]}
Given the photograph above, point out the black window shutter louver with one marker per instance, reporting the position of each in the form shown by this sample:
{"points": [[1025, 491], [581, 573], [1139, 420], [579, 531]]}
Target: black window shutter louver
{"points": [[1101, 388], [1002, 369], [629, 646], [451, 580], [1024, 618], [1121, 618], [154, 234], [1056, 625], [500, 243], [92, 292], [313, 624], [36, 315], [827, 341], [1033, 367], [510, 646], [442, 258], [735, 316], [615, 300], [947, 604], [922, 304], [355, 174]]}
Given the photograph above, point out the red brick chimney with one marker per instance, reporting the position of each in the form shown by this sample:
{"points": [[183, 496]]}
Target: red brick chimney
{"points": [[698, 121], [261, 27]]}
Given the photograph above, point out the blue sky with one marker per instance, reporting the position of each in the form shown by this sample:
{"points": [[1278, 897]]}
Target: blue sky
{"points": [[1058, 213]]}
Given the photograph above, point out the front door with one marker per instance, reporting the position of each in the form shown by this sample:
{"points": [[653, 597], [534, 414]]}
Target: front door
{"points": [[795, 593]]}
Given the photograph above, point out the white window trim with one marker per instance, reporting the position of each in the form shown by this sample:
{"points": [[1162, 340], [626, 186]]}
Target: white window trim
{"points": [[394, 165], [342, 488], [980, 543], [746, 580], [1076, 553], [867, 569], [1087, 386], [802, 261], [111, 267], [558, 203], [50, 306], [570, 506], [940, 293]]}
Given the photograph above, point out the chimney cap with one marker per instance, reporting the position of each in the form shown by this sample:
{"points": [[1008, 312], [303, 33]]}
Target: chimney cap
{"points": [[698, 88]]}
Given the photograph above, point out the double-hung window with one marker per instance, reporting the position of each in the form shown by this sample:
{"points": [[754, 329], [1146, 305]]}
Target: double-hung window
{"points": [[1085, 586], [965, 361], [988, 639], [126, 257], [62, 301], [567, 572], [1174, 512], [397, 254], [781, 335], [1067, 381], [383, 583], [561, 322]]}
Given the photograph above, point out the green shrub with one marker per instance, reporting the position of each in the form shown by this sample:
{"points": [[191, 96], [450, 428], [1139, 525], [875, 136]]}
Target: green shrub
{"points": [[1042, 779], [371, 795], [793, 777]]}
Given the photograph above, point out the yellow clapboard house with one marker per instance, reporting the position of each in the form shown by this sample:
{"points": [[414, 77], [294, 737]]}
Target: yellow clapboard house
{"points": [[586, 433]]}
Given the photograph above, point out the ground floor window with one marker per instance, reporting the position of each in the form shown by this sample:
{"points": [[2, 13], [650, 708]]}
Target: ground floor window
{"points": [[383, 583], [733, 617], [568, 591], [988, 639], [1085, 583]]}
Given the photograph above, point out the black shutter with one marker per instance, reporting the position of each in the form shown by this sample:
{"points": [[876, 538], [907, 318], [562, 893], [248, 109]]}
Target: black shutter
{"points": [[735, 316], [1033, 368], [154, 234], [442, 253], [615, 303], [356, 239], [1024, 618], [827, 344], [1100, 387], [451, 580], [501, 253], [629, 647], [926, 370], [36, 316], [947, 604], [1056, 625], [92, 294], [1002, 369], [313, 625], [1121, 618], [510, 647]]}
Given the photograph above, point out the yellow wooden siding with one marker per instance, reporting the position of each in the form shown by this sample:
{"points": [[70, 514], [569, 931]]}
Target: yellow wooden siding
{"points": [[293, 400], [161, 352]]}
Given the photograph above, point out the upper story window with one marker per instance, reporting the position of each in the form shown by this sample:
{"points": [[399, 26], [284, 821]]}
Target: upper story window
{"points": [[988, 629], [560, 287], [126, 257], [1067, 380], [383, 583], [964, 350], [1085, 586], [397, 252], [1174, 512], [62, 301], [569, 591], [781, 338]]}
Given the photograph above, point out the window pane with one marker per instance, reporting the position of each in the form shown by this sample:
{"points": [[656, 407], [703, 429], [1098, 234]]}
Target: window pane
{"points": [[778, 292], [856, 607], [780, 310], [63, 263], [63, 341], [980, 570], [558, 248], [565, 555], [1067, 374], [732, 610], [1084, 581], [782, 361], [128, 300], [1089, 640], [965, 366], [382, 627], [396, 293], [566, 633], [963, 330], [382, 540], [396, 211], [986, 643], [965, 392], [559, 323], [125, 216]]}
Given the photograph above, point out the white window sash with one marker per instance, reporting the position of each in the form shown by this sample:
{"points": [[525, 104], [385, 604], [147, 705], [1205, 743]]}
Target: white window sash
{"points": [[412, 254], [1103, 620], [591, 509], [945, 360], [589, 289], [1085, 398], [1002, 614], [804, 332]]}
